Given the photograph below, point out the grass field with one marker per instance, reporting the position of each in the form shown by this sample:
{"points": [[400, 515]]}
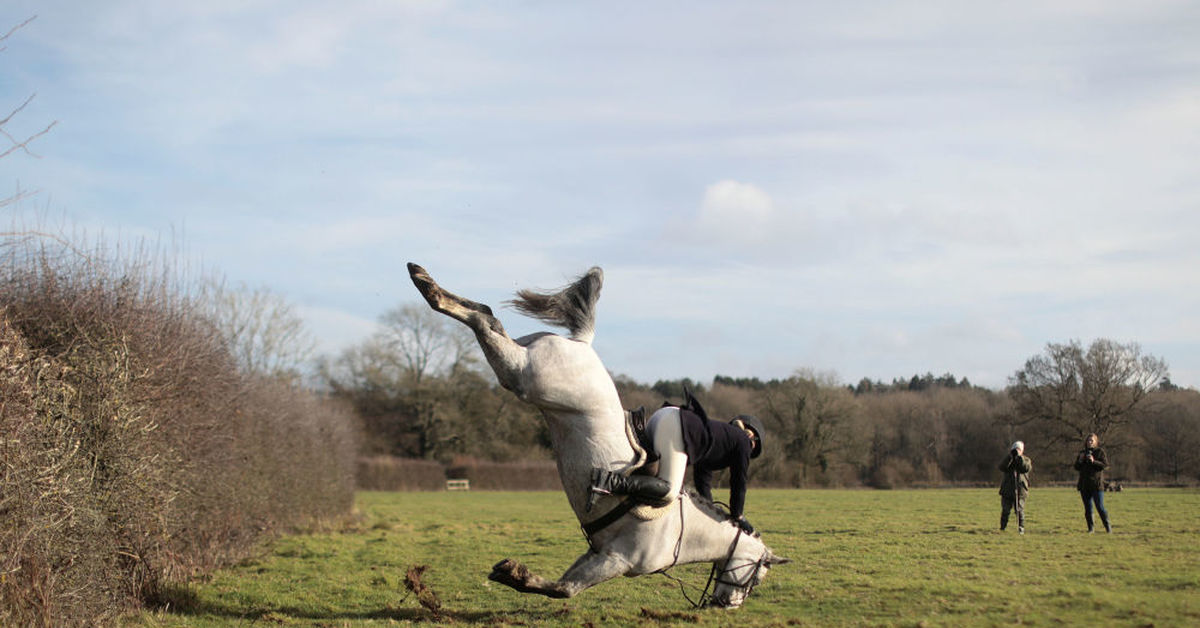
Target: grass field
{"points": [[876, 558]]}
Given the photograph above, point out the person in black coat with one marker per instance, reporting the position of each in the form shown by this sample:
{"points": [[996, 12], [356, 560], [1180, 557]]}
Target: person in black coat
{"points": [[1091, 463]]}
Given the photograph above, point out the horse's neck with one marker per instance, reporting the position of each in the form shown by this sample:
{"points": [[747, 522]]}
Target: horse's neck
{"points": [[585, 441], [710, 539]]}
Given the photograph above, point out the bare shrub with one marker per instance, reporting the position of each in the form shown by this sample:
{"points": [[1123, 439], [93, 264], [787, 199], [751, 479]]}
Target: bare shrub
{"points": [[47, 518], [388, 473], [893, 473], [134, 451], [533, 475]]}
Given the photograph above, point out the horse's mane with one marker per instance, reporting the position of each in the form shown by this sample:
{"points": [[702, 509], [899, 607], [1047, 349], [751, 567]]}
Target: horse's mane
{"points": [[708, 506]]}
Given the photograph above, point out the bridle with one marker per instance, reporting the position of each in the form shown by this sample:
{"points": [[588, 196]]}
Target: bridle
{"points": [[726, 575]]}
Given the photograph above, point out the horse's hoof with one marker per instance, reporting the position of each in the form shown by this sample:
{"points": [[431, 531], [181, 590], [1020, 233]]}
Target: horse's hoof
{"points": [[510, 573], [426, 285], [505, 572], [419, 275]]}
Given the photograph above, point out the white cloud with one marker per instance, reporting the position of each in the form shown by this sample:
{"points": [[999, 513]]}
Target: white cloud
{"points": [[744, 222], [732, 204]]}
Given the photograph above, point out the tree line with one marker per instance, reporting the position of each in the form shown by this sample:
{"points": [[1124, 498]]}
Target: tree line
{"points": [[423, 391]]}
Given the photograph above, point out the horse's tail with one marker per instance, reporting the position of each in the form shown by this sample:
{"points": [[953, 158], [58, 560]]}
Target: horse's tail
{"points": [[573, 307]]}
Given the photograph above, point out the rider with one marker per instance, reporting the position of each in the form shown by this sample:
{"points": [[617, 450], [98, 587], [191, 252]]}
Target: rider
{"points": [[685, 435]]}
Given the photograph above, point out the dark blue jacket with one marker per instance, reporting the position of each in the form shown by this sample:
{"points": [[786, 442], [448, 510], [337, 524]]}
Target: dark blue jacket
{"points": [[712, 446]]}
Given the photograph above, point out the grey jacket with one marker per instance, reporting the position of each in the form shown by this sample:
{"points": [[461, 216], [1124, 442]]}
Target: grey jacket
{"points": [[1020, 466]]}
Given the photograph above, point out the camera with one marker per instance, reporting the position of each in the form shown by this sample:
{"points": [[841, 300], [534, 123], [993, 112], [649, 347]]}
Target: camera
{"points": [[1014, 453]]}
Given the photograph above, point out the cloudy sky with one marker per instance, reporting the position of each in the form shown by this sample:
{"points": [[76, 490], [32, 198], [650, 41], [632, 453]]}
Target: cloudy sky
{"points": [[871, 188]]}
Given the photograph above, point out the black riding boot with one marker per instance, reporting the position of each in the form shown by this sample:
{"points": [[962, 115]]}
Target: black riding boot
{"points": [[647, 489]]}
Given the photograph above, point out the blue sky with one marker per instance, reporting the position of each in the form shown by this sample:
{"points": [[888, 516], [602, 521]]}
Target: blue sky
{"points": [[875, 189]]}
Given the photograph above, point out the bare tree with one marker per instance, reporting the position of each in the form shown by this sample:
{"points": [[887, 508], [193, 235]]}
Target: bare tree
{"points": [[261, 328], [423, 343], [1171, 433], [810, 413], [407, 380], [20, 142], [1074, 392]]}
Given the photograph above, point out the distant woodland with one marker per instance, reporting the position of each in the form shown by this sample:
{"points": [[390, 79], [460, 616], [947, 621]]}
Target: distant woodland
{"points": [[423, 392]]}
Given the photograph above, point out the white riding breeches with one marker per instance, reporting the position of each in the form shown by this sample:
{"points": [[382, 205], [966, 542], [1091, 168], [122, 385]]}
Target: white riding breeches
{"points": [[666, 429]]}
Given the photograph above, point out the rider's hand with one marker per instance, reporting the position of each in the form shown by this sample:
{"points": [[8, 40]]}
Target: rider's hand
{"points": [[744, 524]]}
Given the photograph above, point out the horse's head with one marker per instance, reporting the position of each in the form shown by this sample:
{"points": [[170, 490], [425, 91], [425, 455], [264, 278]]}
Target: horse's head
{"points": [[745, 568]]}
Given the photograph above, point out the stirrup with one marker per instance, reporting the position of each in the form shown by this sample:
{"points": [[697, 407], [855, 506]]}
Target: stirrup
{"points": [[595, 488]]}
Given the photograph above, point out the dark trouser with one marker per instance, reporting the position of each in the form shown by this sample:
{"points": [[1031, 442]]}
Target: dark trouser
{"points": [[1007, 503], [1097, 497]]}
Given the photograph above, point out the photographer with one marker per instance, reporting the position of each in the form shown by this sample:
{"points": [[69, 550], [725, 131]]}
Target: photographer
{"points": [[1014, 488], [1091, 463]]}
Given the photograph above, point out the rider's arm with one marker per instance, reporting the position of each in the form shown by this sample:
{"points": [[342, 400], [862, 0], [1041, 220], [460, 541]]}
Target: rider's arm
{"points": [[702, 477], [738, 466]]}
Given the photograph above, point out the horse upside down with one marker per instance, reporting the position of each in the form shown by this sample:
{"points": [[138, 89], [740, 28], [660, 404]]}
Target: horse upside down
{"points": [[565, 379]]}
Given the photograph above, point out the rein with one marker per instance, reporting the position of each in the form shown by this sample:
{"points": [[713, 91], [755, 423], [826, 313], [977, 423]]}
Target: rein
{"points": [[713, 575]]}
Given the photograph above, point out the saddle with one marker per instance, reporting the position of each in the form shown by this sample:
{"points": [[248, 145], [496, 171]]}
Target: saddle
{"points": [[641, 438], [636, 425]]}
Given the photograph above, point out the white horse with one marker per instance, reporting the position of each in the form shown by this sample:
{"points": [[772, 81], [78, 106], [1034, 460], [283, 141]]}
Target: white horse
{"points": [[565, 379]]}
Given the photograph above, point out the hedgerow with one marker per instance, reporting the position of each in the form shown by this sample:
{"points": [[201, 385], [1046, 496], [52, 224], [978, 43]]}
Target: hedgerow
{"points": [[133, 452]]}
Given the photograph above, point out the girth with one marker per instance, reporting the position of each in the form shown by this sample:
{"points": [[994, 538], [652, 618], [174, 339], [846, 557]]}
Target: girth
{"points": [[592, 527]]}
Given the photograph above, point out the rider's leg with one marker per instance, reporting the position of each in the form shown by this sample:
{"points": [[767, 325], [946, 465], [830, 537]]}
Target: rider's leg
{"points": [[666, 429], [667, 435], [644, 488]]}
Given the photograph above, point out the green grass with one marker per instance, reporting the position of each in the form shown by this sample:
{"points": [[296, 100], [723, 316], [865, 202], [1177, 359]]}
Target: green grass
{"points": [[877, 558]]}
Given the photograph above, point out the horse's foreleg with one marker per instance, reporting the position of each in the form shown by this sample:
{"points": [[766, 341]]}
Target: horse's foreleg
{"points": [[591, 569], [473, 314], [505, 356]]}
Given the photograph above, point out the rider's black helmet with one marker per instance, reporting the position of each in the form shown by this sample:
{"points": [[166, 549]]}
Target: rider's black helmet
{"points": [[754, 425]]}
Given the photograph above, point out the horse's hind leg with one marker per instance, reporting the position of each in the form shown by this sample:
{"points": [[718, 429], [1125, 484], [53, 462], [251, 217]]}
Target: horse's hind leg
{"points": [[506, 357], [590, 569]]}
